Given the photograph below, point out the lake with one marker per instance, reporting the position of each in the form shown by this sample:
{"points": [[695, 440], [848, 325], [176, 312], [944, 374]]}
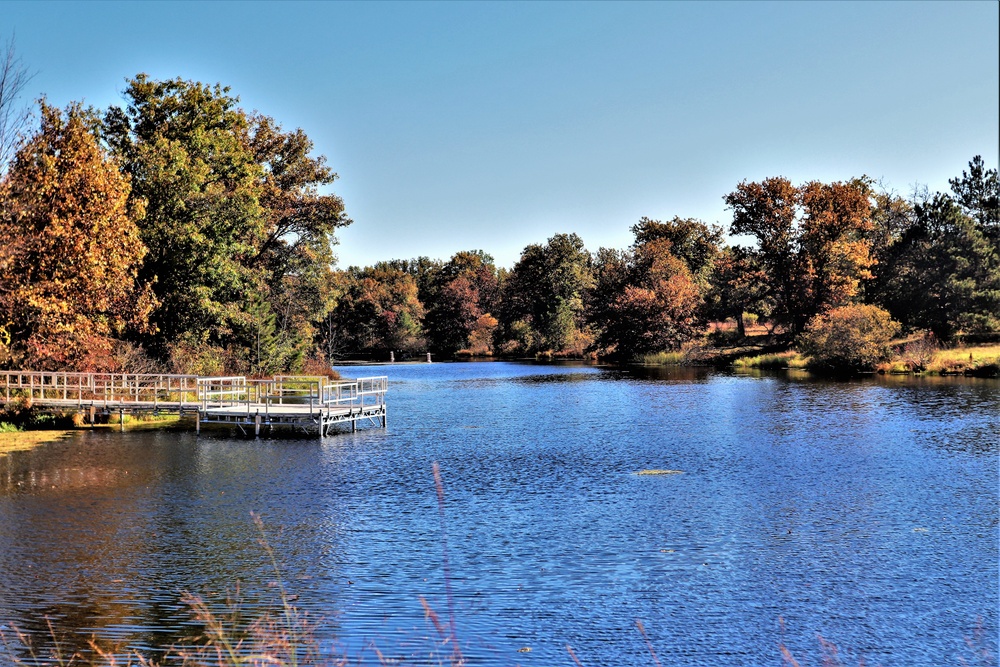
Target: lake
{"points": [[864, 512]]}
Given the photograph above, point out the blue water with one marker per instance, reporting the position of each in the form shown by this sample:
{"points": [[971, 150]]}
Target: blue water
{"points": [[864, 512]]}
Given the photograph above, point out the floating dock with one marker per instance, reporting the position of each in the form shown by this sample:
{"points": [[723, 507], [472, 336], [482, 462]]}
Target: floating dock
{"points": [[302, 402]]}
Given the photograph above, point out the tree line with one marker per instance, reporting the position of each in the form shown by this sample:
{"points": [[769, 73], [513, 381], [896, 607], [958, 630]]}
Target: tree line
{"points": [[930, 262], [180, 232], [848, 250]]}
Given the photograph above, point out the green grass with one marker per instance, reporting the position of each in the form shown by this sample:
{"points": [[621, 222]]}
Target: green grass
{"points": [[672, 358], [790, 359], [139, 422], [982, 360], [799, 361]]}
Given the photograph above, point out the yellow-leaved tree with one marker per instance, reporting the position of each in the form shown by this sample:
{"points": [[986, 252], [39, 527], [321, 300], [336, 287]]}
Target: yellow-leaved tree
{"points": [[69, 249]]}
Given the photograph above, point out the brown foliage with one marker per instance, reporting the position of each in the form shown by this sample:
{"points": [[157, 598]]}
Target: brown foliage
{"points": [[647, 301], [71, 248], [834, 239], [377, 310], [315, 366], [813, 242]]}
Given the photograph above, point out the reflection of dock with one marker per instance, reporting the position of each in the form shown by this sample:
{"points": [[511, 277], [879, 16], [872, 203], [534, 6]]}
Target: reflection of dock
{"points": [[309, 403]]}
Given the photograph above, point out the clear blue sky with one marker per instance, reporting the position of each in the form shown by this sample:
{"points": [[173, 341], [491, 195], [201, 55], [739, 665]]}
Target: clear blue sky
{"points": [[457, 126]]}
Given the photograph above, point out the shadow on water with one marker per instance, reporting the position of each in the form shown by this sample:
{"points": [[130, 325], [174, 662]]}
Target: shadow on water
{"points": [[682, 374]]}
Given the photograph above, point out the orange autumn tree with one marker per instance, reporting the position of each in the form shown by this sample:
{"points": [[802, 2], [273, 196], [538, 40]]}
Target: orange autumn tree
{"points": [[69, 249], [835, 238], [813, 243], [646, 299]]}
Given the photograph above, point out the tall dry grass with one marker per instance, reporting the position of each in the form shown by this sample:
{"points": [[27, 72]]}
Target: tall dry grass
{"points": [[983, 358]]}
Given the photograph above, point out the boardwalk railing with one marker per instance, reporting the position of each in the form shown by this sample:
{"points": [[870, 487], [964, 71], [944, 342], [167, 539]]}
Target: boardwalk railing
{"points": [[292, 399], [371, 390], [234, 399], [260, 395], [218, 392], [107, 390]]}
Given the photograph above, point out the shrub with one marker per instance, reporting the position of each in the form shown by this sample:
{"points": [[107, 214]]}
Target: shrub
{"points": [[521, 340], [190, 356], [316, 366], [850, 338], [918, 354], [896, 367]]}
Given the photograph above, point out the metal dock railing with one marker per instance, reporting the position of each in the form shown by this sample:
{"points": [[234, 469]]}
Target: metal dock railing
{"points": [[306, 402]]}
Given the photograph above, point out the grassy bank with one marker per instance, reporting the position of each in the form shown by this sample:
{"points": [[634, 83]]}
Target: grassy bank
{"points": [[777, 361], [15, 440], [979, 360], [912, 357], [674, 358], [137, 422], [27, 431]]}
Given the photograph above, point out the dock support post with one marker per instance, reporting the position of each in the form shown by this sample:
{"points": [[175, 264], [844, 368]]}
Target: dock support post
{"points": [[385, 418], [121, 418], [256, 425], [92, 411], [197, 422], [354, 425]]}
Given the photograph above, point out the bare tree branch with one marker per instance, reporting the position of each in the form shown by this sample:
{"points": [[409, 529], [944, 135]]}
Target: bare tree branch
{"points": [[14, 76]]}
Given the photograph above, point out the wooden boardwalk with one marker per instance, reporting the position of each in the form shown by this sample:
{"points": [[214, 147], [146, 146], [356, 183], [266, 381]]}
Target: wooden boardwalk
{"points": [[307, 403]]}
